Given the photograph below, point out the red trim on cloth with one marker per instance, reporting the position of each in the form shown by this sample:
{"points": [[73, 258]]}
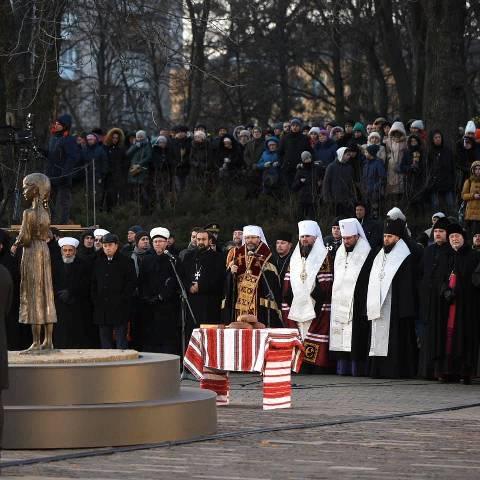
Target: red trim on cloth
{"points": [[274, 352]]}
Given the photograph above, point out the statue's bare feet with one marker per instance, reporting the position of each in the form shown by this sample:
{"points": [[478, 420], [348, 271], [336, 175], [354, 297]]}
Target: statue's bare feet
{"points": [[34, 347], [46, 345]]}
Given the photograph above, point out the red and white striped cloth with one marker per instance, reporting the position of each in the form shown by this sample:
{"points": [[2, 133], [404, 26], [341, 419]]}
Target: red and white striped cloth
{"points": [[273, 352]]}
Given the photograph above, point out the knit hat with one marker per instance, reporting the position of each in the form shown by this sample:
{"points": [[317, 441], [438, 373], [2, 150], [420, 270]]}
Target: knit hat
{"points": [[140, 235], [296, 120], [374, 134], [395, 227], [135, 228], [314, 130], [359, 127], [161, 139], [305, 156], [373, 149], [65, 120], [418, 124], [141, 135], [470, 128]]}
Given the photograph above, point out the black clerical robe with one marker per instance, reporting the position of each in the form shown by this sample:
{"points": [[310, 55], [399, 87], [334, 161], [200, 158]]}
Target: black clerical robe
{"points": [[206, 268], [72, 302]]}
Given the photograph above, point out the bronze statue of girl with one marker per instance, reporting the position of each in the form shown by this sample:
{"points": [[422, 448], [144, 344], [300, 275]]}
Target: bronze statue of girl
{"points": [[37, 305]]}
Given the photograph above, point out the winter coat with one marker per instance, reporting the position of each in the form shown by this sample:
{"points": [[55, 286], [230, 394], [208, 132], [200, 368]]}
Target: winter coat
{"points": [[373, 178], [413, 168], [382, 154], [234, 156], [62, 158], [117, 165], [201, 158], [306, 182], [325, 153], [394, 149], [253, 151], [181, 153], [470, 188], [112, 289], [96, 155], [267, 156], [290, 150], [440, 168], [139, 153], [338, 183]]}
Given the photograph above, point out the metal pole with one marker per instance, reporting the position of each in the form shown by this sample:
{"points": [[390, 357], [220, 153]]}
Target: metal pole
{"points": [[87, 194], [94, 193]]}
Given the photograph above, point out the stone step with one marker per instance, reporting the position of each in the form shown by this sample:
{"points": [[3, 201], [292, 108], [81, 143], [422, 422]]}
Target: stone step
{"points": [[188, 414], [149, 377]]}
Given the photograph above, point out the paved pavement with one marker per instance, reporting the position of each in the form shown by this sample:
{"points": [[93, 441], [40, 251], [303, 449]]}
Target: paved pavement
{"points": [[339, 427]]}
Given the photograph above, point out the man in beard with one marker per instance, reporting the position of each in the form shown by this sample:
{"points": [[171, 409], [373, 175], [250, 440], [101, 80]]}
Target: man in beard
{"points": [[252, 285], [391, 307], [349, 330], [202, 275], [72, 285], [307, 291]]}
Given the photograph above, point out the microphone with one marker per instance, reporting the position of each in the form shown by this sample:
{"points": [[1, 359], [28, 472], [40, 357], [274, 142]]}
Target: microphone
{"points": [[253, 254], [170, 255]]}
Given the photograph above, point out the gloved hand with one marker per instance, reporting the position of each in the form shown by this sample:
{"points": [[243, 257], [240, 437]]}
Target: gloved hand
{"points": [[275, 164], [303, 179], [267, 164], [449, 295], [299, 165]]}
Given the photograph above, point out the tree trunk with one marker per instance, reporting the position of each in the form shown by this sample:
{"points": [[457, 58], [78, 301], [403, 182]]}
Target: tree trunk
{"points": [[444, 103], [392, 48], [197, 60], [337, 75]]}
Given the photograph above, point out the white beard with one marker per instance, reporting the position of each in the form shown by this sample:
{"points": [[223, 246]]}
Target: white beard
{"points": [[68, 260]]}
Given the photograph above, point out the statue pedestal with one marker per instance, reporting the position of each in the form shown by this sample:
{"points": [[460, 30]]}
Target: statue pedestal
{"points": [[98, 398]]}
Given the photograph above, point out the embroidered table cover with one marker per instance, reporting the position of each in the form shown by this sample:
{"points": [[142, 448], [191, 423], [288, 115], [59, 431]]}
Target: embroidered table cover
{"points": [[274, 352]]}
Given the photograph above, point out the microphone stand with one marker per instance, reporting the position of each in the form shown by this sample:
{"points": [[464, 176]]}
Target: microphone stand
{"points": [[270, 295], [184, 304]]}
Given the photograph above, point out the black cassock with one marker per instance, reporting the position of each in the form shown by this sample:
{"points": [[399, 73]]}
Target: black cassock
{"points": [[71, 283], [433, 306], [462, 360], [72, 302], [401, 361], [158, 292], [207, 268]]}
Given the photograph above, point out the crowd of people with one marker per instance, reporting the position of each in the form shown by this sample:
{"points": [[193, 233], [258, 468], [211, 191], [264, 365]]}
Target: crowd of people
{"points": [[333, 165], [367, 299]]}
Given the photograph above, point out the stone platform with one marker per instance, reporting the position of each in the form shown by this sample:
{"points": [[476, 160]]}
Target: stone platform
{"points": [[98, 398]]}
